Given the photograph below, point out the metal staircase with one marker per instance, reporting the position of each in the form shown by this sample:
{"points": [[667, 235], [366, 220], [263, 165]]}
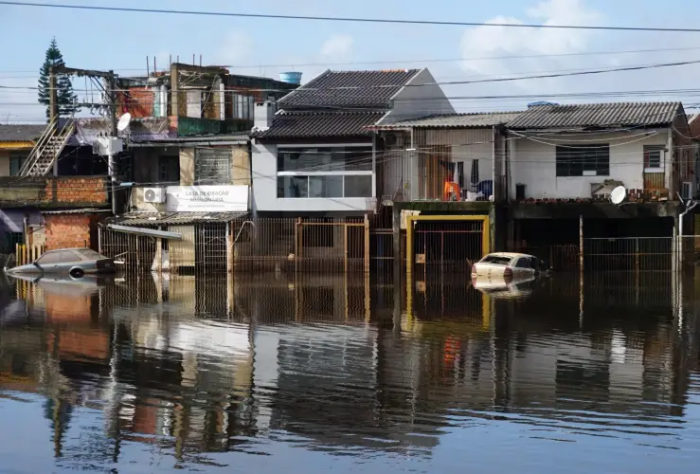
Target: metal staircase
{"points": [[47, 149]]}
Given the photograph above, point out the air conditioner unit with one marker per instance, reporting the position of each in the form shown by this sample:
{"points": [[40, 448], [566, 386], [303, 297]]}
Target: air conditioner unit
{"points": [[687, 191], [154, 195]]}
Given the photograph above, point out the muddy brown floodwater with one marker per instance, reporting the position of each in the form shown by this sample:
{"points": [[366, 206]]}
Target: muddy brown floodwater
{"points": [[330, 373]]}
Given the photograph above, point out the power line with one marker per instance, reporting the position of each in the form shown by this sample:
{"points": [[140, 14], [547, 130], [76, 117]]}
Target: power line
{"points": [[443, 83], [406, 61], [347, 19]]}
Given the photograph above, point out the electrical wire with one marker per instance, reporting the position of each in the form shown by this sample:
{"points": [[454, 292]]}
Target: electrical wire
{"points": [[348, 19], [399, 61], [433, 83]]}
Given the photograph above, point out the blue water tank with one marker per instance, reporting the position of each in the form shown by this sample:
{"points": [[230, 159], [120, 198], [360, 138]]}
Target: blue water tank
{"points": [[291, 77]]}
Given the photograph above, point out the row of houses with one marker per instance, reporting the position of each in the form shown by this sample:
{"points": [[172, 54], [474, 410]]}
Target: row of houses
{"points": [[207, 152]]}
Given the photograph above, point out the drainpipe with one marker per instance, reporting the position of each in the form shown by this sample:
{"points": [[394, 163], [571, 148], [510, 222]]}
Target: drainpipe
{"points": [[689, 207]]}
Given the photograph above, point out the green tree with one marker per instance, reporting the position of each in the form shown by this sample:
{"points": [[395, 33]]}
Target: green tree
{"points": [[66, 96]]}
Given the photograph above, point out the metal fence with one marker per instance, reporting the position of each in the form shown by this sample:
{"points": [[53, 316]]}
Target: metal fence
{"points": [[628, 254], [280, 245], [448, 244]]}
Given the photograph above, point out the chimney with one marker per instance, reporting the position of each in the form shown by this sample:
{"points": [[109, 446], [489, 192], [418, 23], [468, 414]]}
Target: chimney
{"points": [[263, 114]]}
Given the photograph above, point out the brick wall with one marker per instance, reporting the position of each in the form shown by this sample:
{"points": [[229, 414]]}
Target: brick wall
{"points": [[87, 190], [69, 230]]}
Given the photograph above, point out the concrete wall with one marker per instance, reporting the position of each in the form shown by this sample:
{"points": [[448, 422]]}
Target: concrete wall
{"points": [[187, 166], [265, 189], [240, 165], [415, 100], [533, 162], [146, 171]]}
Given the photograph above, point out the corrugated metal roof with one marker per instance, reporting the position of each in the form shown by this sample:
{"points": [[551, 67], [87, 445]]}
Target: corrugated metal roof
{"points": [[174, 218], [78, 211], [349, 89], [473, 120], [319, 124], [20, 133], [624, 114]]}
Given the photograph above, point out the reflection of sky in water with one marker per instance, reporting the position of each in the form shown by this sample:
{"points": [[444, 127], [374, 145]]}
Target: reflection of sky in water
{"points": [[305, 377]]}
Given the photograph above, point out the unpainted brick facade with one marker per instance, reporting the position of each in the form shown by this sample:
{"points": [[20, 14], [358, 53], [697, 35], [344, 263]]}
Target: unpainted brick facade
{"points": [[87, 190], [71, 231]]}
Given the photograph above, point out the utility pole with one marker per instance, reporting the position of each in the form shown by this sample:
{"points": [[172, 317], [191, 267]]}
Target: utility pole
{"points": [[53, 109], [111, 86], [53, 98], [111, 106]]}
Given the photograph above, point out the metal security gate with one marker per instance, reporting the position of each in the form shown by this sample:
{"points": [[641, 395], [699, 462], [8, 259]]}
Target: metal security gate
{"points": [[447, 245]]}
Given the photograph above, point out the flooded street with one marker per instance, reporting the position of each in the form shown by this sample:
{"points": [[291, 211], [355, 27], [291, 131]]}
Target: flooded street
{"points": [[312, 373]]}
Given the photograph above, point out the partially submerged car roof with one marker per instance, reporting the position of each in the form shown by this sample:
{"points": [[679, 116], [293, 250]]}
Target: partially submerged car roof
{"points": [[509, 255]]}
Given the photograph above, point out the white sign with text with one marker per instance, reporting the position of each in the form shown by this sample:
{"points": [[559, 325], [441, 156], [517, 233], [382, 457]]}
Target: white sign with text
{"points": [[206, 198]]}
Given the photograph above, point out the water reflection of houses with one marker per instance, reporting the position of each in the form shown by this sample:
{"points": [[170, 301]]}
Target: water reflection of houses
{"points": [[203, 365]]}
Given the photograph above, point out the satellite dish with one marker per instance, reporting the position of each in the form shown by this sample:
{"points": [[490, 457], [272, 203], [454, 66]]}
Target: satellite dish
{"points": [[124, 122], [618, 195]]}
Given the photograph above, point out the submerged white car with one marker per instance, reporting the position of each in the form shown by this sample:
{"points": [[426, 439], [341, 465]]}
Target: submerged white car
{"points": [[508, 266]]}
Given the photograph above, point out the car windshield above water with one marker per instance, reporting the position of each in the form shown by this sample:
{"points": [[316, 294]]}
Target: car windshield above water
{"points": [[497, 260]]}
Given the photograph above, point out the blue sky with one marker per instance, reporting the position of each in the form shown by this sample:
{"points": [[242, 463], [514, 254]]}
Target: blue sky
{"points": [[121, 41]]}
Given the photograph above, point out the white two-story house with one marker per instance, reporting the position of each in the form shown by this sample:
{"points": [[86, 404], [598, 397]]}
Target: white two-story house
{"points": [[581, 152], [315, 156]]}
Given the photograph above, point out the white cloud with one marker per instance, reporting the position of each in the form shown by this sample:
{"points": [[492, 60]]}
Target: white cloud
{"points": [[339, 45], [489, 41]]}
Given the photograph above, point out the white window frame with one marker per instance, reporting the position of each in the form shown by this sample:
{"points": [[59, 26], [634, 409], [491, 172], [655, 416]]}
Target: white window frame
{"points": [[310, 174]]}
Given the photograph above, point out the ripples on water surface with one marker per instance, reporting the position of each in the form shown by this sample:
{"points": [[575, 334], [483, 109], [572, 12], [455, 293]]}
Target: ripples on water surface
{"points": [[321, 373]]}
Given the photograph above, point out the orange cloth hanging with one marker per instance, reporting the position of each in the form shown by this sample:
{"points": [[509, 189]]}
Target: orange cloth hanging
{"points": [[451, 189]]}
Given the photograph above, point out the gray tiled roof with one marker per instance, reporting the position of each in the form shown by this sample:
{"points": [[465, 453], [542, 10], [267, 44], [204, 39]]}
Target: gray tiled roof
{"points": [[305, 124], [20, 133], [174, 218], [349, 89], [473, 120], [624, 114]]}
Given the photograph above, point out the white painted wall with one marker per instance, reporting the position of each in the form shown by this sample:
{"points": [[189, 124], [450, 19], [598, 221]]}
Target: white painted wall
{"points": [[415, 100], [265, 189], [534, 163]]}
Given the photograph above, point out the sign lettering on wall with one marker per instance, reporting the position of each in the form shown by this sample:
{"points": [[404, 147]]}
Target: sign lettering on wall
{"points": [[206, 198]]}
